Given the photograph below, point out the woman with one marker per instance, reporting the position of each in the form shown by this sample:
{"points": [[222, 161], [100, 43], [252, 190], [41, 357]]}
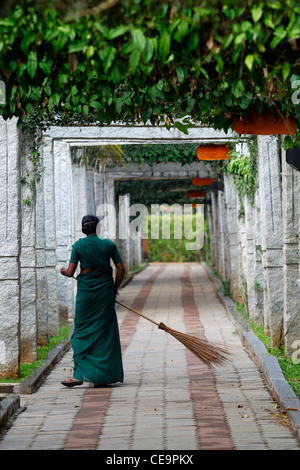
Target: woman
{"points": [[95, 340]]}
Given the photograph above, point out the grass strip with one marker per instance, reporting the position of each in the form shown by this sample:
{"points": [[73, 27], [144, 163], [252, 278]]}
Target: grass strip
{"points": [[42, 351]]}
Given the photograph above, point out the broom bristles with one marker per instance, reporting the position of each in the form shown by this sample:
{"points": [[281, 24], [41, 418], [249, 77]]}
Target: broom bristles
{"points": [[209, 354]]}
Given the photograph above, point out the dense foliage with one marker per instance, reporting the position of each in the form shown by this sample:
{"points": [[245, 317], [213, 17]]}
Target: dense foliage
{"points": [[153, 191], [162, 61]]}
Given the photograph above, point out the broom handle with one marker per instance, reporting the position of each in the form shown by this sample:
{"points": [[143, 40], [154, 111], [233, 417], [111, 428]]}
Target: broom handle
{"points": [[138, 313], [135, 311]]}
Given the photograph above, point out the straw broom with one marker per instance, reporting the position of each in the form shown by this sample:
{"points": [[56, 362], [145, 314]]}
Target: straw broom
{"points": [[209, 354]]}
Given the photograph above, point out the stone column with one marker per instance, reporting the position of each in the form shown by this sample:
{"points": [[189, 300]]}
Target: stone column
{"points": [[10, 245], [250, 263], [28, 264], [80, 198], [291, 289], [216, 235], [123, 234], [50, 236], [258, 314], [91, 203], [64, 218], [233, 249], [41, 275], [211, 235], [225, 268], [242, 244], [271, 216]]}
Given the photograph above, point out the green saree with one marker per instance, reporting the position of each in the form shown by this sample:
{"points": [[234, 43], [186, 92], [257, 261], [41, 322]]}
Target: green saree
{"points": [[95, 340]]}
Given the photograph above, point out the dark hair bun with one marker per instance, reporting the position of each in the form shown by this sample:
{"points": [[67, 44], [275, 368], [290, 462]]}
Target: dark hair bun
{"points": [[89, 224]]}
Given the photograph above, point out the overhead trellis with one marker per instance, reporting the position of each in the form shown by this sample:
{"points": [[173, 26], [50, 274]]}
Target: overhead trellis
{"points": [[158, 61]]}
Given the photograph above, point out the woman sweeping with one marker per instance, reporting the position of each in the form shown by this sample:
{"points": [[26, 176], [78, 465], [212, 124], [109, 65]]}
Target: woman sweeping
{"points": [[95, 340]]}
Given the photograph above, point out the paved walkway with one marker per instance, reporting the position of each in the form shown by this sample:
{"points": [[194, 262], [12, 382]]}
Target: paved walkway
{"points": [[169, 400]]}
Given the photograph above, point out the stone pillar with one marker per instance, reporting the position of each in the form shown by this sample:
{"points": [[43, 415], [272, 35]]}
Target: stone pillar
{"points": [[10, 234], [50, 236], [233, 249], [224, 265], [123, 234], [41, 275], [28, 264], [216, 238], [291, 289], [242, 244], [258, 314], [80, 198], [105, 203], [271, 216], [64, 217], [211, 235], [250, 264], [91, 205]]}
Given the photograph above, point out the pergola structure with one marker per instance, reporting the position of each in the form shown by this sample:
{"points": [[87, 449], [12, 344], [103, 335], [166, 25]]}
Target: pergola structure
{"points": [[259, 251]]}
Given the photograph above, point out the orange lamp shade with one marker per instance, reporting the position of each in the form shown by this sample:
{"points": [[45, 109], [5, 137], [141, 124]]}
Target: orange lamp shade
{"points": [[192, 194], [213, 152], [202, 181], [266, 123]]}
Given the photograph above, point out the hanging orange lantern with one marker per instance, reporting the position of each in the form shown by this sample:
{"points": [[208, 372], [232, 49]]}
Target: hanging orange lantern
{"points": [[213, 152], [202, 181], [266, 123], [193, 194]]}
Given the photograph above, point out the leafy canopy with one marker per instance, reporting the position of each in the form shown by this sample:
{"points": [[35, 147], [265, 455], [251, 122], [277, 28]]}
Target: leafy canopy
{"points": [[167, 62]]}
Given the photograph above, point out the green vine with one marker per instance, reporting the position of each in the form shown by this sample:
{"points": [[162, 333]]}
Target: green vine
{"points": [[243, 169], [32, 140], [166, 62]]}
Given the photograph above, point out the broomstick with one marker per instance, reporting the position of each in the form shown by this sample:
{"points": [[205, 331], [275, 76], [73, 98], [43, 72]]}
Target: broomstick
{"points": [[207, 353]]}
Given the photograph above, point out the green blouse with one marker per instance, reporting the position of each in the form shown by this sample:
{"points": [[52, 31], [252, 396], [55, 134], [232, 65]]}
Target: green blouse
{"points": [[95, 247]]}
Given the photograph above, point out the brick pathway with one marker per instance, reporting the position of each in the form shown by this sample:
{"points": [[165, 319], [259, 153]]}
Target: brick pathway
{"points": [[169, 400]]}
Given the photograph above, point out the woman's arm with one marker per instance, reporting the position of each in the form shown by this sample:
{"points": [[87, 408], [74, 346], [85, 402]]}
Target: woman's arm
{"points": [[119, 276], [69, 272]]}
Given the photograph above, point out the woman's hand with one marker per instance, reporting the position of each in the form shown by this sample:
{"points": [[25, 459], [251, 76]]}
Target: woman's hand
{"points": [[70, 271]]}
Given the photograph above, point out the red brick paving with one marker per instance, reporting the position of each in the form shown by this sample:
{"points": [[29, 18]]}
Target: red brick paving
{"points": [[87, 425], [212, 429]]}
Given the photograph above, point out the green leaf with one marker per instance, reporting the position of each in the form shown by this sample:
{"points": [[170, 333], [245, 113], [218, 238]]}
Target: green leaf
{"points": [[164, 46], [77, 46], [90, 52], [139, 39], [180, 74], [45, 65], [32, 64], [119, 104], [181, 127], [107, 55], [257, 12], [239, 38], [149, 50], [27, 40], [116, 32], [97, 105], [55, 98], [29, 109], [227, 41], [134, 60], [249, 59], [286, 70]]}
